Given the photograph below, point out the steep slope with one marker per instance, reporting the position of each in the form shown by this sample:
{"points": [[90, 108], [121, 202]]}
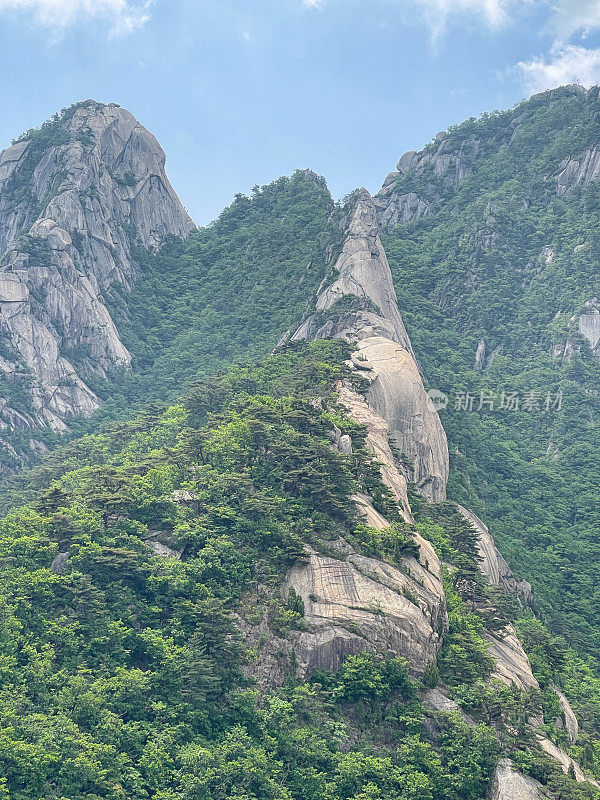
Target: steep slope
{"points": [[498, 280], [287, 524], [357, 302], [229, 290], [72, 196], [123, 580]]}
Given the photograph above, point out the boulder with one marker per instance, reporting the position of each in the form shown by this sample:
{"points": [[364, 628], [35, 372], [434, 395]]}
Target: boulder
{"points": [[510, 784]]}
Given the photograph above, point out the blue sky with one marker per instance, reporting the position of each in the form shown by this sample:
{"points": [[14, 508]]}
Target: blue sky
{"points": [[239, 92]]}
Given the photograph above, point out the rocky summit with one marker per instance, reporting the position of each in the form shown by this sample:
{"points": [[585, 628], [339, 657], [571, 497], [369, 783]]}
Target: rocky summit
{"points": [[246, 551], [72, 196]]}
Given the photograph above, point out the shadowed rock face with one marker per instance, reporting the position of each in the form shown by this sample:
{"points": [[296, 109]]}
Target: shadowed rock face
{"points": [[377, 442], [66, 207]]}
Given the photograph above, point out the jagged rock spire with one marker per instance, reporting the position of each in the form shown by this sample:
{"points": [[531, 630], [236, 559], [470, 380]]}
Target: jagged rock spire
{"points": [[385, 355]]}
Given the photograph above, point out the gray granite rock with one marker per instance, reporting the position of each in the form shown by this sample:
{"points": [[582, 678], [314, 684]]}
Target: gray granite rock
{"points": [[66, 212], [384, 353], [493, 564], [510, 784]]}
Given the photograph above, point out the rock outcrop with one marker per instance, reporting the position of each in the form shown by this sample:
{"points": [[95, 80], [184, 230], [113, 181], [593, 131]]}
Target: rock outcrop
{"points": [[567, 720], [354, 603], [492, 564], [71, 195], [361, 273], [510, 784], [589, 324], [397, 394], [579, 171], [565, 761], [512, 663], [377, 441], [444, 162], [384, 353]]}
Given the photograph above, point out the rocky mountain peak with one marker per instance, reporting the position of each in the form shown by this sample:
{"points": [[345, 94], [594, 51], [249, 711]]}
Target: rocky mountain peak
{"points": [[358, 298], [74, 194], [358, 302], [91, 169]]}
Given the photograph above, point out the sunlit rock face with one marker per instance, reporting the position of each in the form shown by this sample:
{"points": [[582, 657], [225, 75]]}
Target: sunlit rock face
{"points": [[510, 784], [384, 354], [71, 196]]}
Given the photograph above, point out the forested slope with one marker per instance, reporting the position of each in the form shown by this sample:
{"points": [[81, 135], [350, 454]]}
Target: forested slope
{"points": [[497, 281], [241, 577], [123, 671]]}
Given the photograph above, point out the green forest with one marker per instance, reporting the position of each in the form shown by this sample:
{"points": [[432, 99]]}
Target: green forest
{"points": [[477, 269], [122, 673], [135, 552]]}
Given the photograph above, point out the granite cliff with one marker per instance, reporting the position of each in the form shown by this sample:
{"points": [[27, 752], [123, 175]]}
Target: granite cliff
{"points": [[73, 196]]}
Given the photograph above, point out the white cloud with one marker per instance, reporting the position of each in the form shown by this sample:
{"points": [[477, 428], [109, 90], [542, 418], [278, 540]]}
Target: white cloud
{"points": [[436, 13], [573, 16], [123, 16], [567, 64]]}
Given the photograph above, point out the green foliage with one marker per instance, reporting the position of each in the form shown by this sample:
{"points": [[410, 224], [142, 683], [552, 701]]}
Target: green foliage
{"points": [[121, 672], [504, 259], [392, 544], [464, 657], [228, 292], [367, 677]]}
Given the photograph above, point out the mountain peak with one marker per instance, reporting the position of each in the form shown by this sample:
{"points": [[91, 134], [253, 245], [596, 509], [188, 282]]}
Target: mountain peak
{"points": [[74, 193]]}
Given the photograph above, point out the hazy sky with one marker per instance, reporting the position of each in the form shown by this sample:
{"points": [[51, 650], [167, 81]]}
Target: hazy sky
{"points": [[239, 92]]}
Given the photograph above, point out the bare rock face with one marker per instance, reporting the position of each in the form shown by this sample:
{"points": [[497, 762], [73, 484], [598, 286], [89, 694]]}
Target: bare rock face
{"points": [[377, 442], [512, 664], [353, 603], [100, 170], [589, 324], [384, 355], [510, 784], [564, 760], [440, 160], [568, 720], [69, 198], [493, 565], [397, 394], [437, 700], [361, 271], [579, 171]]}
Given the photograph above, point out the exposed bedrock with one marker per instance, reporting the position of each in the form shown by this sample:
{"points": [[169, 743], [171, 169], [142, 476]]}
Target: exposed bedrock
{"points": [[68, 206]]}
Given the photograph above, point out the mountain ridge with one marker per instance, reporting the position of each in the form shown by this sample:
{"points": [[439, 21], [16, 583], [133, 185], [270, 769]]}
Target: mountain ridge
{"points": [[287, 521]]}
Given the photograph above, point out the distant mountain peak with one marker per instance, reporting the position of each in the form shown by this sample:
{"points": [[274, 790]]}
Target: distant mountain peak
{"points": [[73, 195]]}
